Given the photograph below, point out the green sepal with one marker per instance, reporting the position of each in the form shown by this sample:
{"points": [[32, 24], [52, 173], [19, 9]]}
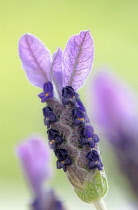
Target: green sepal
{"points": [[93, 189]]}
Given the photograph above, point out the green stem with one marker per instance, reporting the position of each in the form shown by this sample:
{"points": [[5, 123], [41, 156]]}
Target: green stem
{"points": [[99, 205]]}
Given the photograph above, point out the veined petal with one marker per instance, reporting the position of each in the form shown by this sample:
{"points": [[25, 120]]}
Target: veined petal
{"points": [[35, 59], [78, 59], [57, 70]]}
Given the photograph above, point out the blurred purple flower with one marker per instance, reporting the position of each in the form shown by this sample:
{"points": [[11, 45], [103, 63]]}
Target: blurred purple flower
{"points": [[35, 159], [115, 111]]}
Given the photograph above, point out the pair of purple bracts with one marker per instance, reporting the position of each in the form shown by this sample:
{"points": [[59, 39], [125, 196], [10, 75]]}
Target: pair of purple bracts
{"points": [[69, 132]]}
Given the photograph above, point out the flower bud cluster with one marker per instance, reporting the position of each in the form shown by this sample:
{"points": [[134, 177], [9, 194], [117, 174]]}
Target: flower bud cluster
{"points": [[70, 134]]}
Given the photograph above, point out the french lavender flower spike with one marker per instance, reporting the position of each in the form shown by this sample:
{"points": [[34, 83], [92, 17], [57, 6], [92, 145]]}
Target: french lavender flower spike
{"points": [[34, 156], [71, 136]]}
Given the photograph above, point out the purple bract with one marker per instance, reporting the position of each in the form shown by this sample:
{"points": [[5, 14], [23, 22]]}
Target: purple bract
{"points": [[68, 69], [35, 59]]}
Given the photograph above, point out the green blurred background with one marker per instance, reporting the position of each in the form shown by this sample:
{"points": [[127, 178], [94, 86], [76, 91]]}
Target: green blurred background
{"points": [[113, 25]]}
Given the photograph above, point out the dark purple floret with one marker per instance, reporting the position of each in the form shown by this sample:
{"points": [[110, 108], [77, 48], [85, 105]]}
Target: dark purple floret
{"points": [[79, 116], [68, 92], [52, 133], [87, 132], [66, 101], [63, 159], [88, 141], [49, 116], [93, 156], [94, 160], [95, 138], [64, 163], [78, 113], [88, 136], [93, 165], [47, 92], [61, 154], [54, 139]]}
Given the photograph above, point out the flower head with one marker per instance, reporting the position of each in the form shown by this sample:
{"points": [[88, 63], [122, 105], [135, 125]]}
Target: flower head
{"points": [[70, 133]]}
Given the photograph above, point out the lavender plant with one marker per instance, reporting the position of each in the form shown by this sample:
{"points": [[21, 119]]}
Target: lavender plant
{"points": [[34, 156], [70, 134], [115, 112]]}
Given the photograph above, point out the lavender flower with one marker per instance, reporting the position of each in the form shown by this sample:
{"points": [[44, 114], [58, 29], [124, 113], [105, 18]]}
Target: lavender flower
{"points": [[115, 112], [49, 116], [94, 160], [68, 136], [35, 157], [54, 139], [48, 92], [88, 137]]}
